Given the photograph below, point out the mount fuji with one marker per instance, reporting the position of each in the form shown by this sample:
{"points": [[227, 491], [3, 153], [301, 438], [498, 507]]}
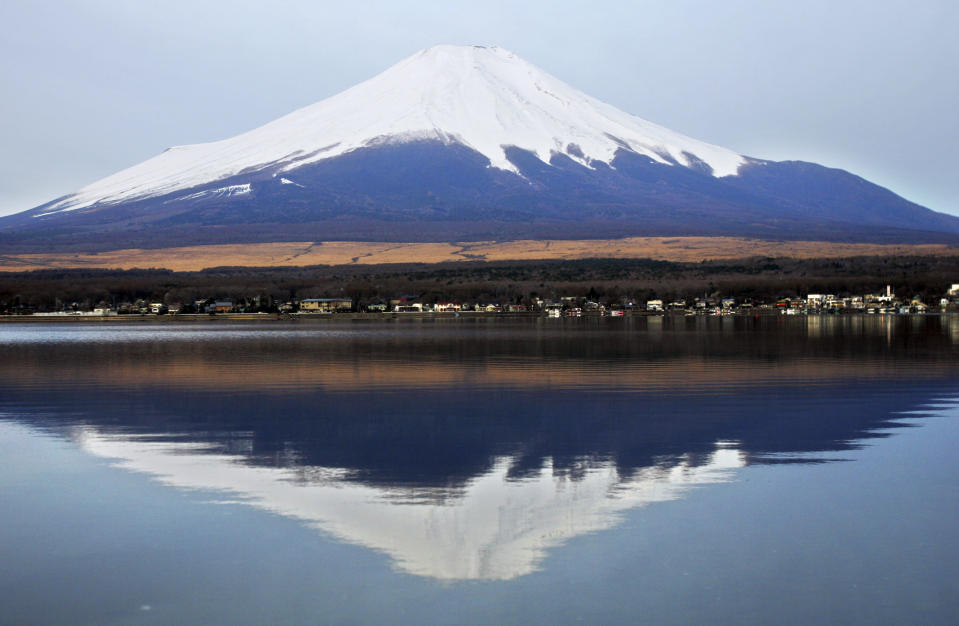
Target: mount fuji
{"points": [[465, 143]]}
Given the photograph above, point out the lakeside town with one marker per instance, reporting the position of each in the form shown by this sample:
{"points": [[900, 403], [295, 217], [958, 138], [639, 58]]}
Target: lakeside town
{"points": [[885, 303]]}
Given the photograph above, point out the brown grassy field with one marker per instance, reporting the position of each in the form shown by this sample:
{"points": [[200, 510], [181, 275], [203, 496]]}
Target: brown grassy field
{"points": [[678, 249]]}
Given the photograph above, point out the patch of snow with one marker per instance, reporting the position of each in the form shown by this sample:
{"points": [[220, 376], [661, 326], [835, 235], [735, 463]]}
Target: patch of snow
{"points": [[484, 98], [222, 192], [287, 181]]}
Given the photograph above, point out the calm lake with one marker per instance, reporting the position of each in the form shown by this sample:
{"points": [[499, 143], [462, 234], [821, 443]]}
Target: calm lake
{"points": [[473, 471]]}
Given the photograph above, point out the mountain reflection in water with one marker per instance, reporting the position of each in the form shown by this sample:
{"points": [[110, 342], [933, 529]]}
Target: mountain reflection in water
{"points": [[492, 528], [467, 450]]}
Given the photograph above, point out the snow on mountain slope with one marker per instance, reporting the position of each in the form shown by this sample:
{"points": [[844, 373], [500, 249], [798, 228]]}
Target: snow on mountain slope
{"points": [[484, 98]]}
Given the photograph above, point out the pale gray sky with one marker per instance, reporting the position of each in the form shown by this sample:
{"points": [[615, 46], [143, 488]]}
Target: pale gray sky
{"points": [[91, 87]]}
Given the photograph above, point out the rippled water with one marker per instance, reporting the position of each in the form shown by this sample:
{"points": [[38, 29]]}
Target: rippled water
{"points": [[659, 470]]}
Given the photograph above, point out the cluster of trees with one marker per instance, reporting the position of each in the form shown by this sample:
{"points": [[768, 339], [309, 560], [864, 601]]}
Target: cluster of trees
{"points": [[603, 280]]}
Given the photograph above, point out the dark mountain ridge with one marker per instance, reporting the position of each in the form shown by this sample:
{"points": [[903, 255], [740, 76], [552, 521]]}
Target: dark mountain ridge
{"points": [[431, 191]]}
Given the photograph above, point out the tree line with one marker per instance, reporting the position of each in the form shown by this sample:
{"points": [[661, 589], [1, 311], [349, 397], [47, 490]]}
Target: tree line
{"points": [[606, 281]]}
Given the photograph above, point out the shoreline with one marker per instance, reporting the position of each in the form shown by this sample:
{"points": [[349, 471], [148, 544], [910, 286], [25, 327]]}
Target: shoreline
{"points": [[462, 316]]}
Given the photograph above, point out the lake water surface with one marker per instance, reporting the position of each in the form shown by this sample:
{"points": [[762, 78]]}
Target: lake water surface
{"points": [[639, 470]]}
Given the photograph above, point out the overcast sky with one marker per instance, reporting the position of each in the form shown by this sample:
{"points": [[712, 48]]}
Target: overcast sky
{"points": [[91, 87]]}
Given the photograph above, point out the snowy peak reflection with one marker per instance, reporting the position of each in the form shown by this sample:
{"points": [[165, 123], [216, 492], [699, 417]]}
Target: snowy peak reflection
{"points": [[493, 528]]}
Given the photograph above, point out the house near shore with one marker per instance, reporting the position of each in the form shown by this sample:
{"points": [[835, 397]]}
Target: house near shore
{"points": [[326, 305], [221, 306], [402, 300]]}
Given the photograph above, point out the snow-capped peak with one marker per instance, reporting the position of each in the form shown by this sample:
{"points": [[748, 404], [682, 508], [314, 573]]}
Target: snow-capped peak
{"points": [[486, 98]]}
